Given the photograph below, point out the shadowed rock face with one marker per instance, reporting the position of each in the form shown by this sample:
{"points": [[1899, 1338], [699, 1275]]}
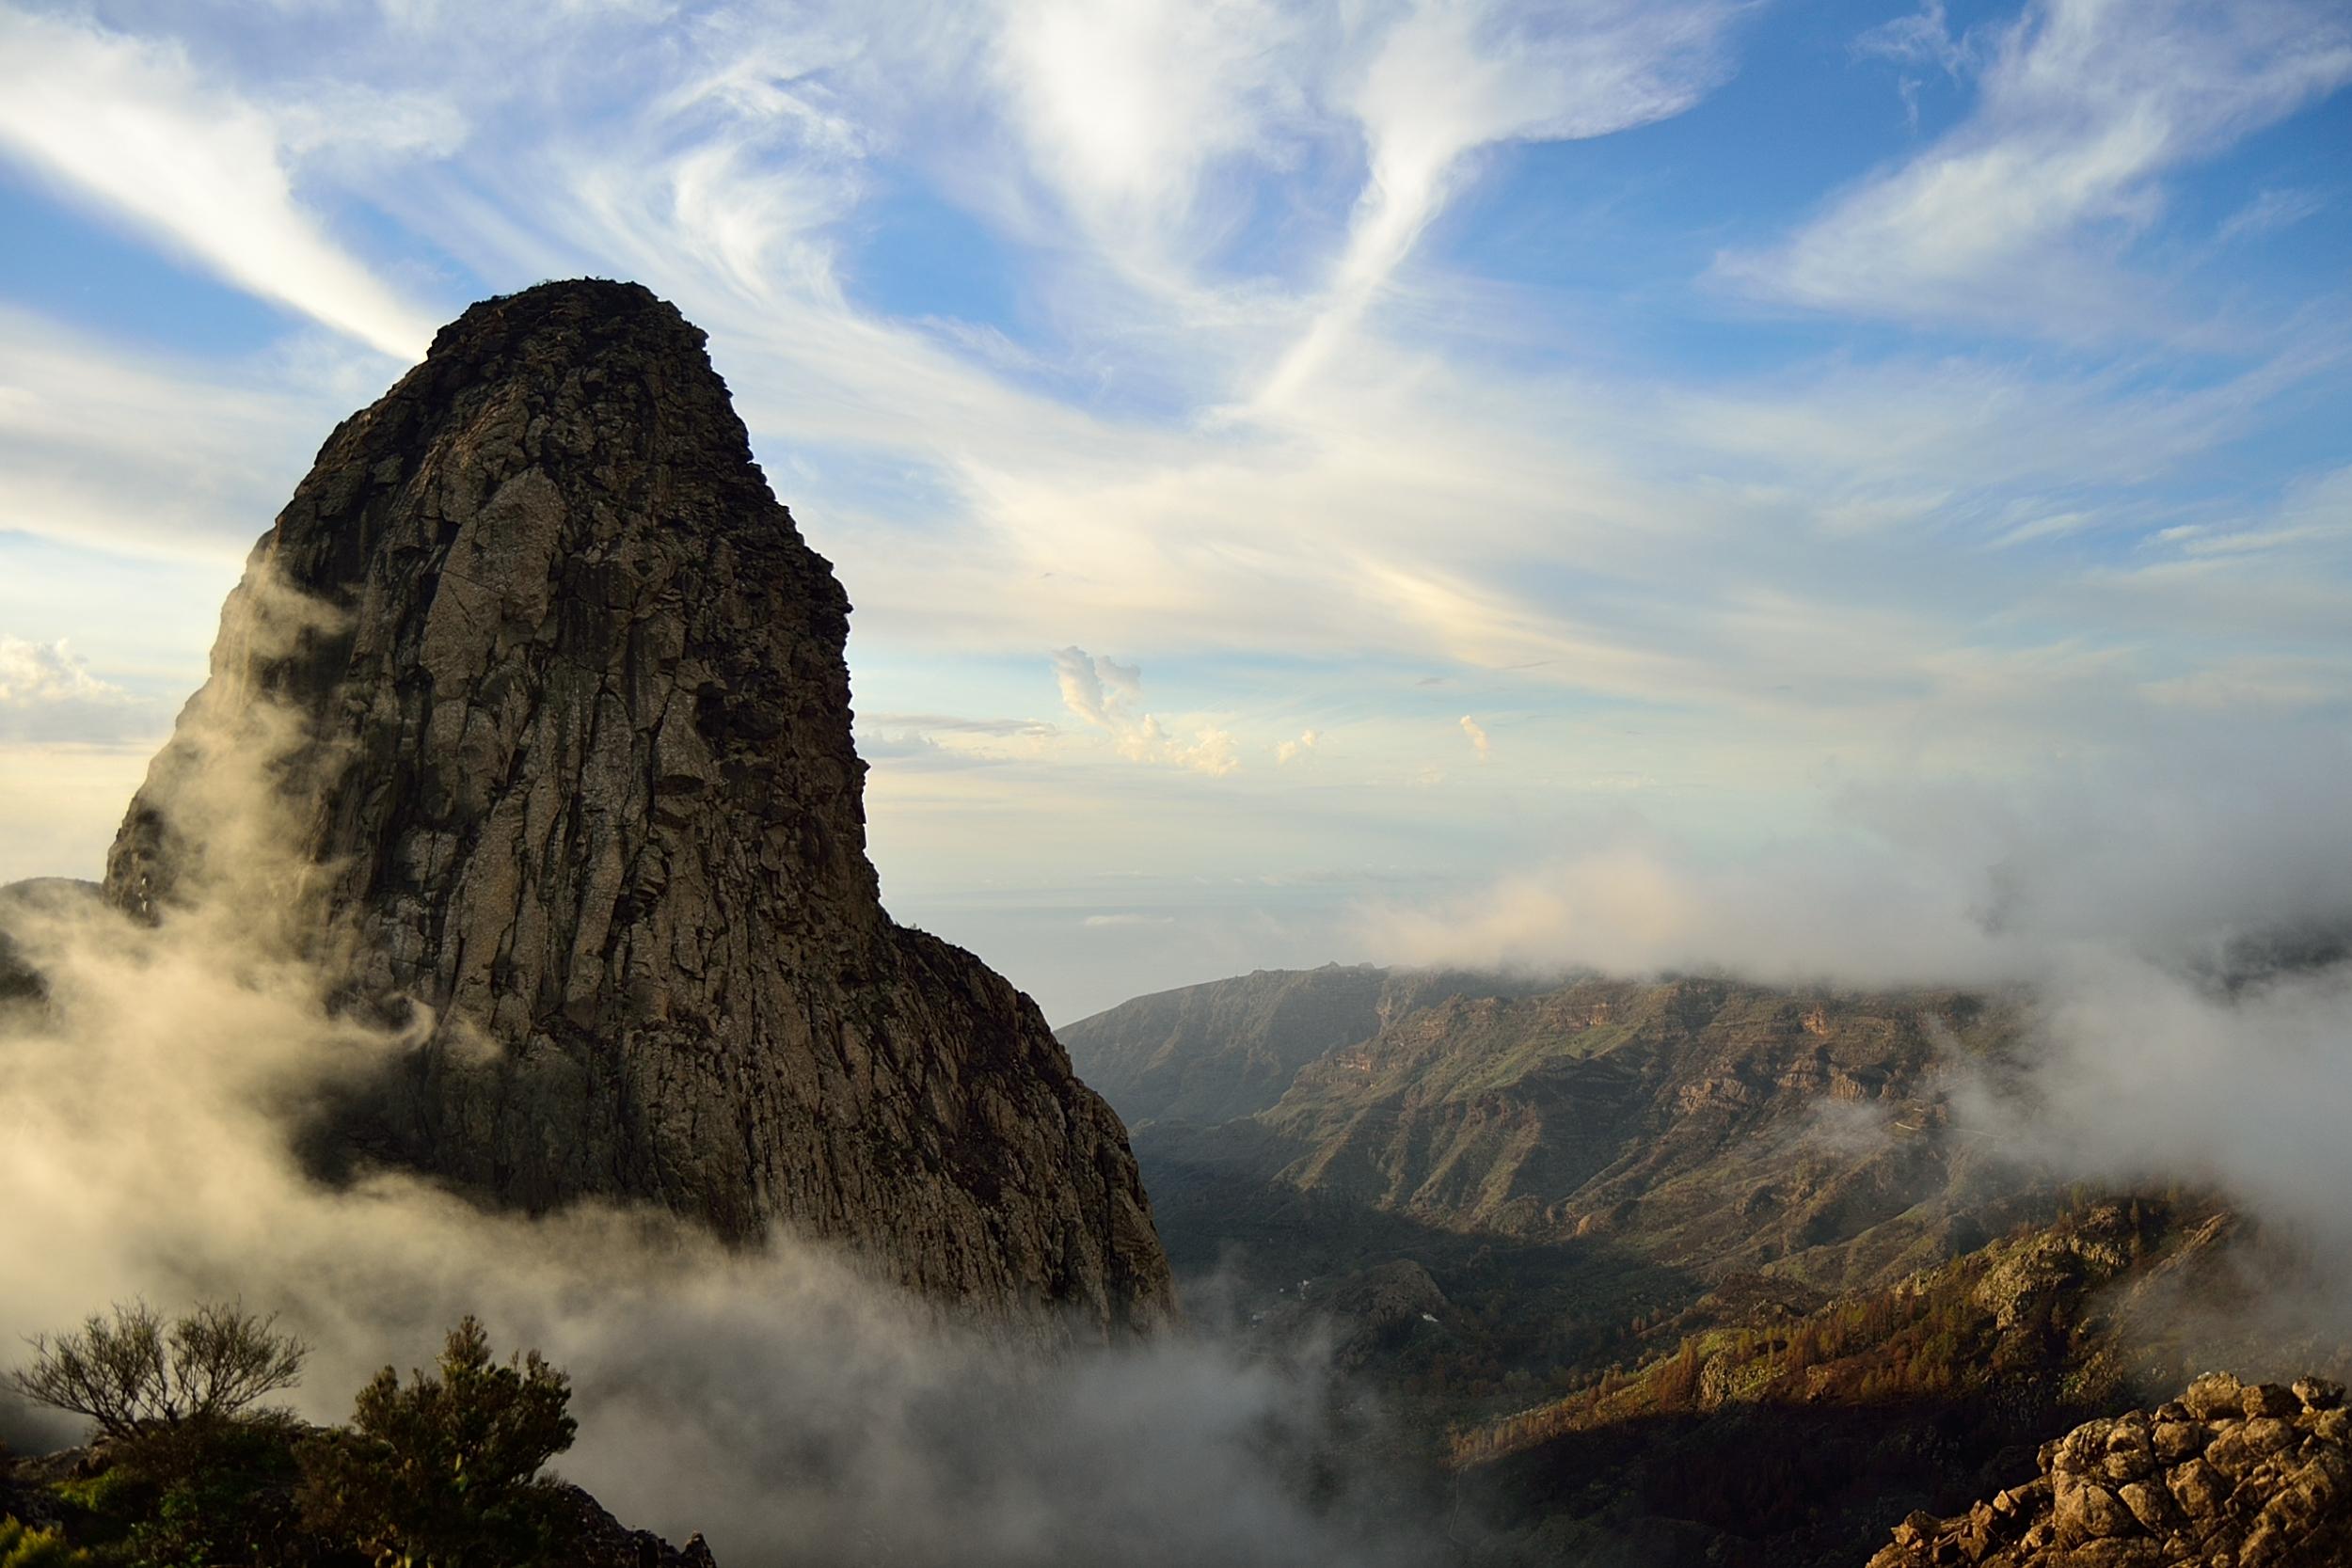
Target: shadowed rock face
{"points": [[558, 734]]}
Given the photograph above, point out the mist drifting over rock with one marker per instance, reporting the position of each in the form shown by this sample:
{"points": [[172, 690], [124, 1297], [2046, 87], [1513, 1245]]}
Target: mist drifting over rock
{"points": [[557, 735]]}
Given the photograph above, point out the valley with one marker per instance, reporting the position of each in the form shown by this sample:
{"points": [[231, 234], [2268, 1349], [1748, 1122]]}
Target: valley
{"points": [[1689, 1271]]}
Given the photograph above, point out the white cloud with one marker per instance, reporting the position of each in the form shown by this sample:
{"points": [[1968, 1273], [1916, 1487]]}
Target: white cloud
{"points": [[1108, 696], [2018, 214], [35, 674], [1446, 79], [48, 694], [2194, 841], [1124, 108], [352, 120], [110, 449], [1720, 582], [2269, 211], [1923, 38], [131, 126], [1291, 750], [1477, 734]]}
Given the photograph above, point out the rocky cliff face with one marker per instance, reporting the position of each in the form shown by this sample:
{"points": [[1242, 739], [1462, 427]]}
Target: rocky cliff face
{"points": [[2254, 1476], [555, 733]]}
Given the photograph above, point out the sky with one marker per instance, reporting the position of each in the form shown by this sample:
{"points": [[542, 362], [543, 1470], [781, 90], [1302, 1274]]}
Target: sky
{"points": [[1855, 487]]}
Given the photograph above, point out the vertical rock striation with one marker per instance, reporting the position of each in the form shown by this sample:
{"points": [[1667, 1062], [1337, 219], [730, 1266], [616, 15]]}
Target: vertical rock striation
{"points": [[558, 733]]}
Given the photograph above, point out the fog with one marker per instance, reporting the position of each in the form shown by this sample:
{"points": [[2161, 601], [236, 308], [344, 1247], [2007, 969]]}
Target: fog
{"points": [[784, 1401], [2175, 850], [797, 1409], [2178, 917], [788, 1405]]}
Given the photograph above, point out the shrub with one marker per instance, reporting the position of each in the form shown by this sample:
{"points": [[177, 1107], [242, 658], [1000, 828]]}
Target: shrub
{"points": [[134, 1374], [22, 1546], [444, 1472]]}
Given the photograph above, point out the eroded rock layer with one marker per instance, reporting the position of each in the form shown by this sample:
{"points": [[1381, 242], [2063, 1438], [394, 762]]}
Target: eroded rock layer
{"points": [[558, 729]]}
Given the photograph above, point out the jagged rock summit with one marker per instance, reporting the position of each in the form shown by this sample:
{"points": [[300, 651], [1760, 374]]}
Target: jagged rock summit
{"points": [[557, 732]]}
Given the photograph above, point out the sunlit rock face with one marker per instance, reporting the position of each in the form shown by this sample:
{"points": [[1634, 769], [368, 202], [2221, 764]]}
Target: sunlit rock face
{"points": [[2258, 1475], [544, 700]]}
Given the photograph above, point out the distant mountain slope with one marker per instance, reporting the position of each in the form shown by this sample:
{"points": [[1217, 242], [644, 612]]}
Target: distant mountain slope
{"points": [[1230, 1048], [1706, 1124], [1721, 1124]]}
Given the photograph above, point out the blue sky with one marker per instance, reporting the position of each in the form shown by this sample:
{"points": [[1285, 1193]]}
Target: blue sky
{"points": [[1842, 487]]}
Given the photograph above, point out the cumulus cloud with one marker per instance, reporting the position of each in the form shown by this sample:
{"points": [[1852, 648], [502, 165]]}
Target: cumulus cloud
{"points": [[1291, 750], [48, 694], [1108, 696], [2084, 108], [1477, 734], [35, 675]]}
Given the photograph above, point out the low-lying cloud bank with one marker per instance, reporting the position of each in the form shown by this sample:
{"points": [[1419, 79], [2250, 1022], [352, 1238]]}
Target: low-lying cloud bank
{"points": [[790, 1407], [2184, 853], [2180, 919]]}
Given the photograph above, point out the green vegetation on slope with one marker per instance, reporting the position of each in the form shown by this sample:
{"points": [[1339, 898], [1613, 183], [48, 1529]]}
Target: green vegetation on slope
{"points": [[443, 1471]]}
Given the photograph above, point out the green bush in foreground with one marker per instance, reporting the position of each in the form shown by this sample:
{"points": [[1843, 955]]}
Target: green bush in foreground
{"points": [[22, 1546], [444, 1471], [440, 1472]]}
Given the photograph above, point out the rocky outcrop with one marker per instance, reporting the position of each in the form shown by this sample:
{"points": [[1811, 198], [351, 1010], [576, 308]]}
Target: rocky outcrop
{"points": [[2228, 1475], [597, 1540], [531, 717]]}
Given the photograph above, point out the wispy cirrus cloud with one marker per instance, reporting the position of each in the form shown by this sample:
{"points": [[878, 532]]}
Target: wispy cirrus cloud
{"points": [[2022, 215], [1144, 328], [134, 128], [1446, 80], [2269, 211]]}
